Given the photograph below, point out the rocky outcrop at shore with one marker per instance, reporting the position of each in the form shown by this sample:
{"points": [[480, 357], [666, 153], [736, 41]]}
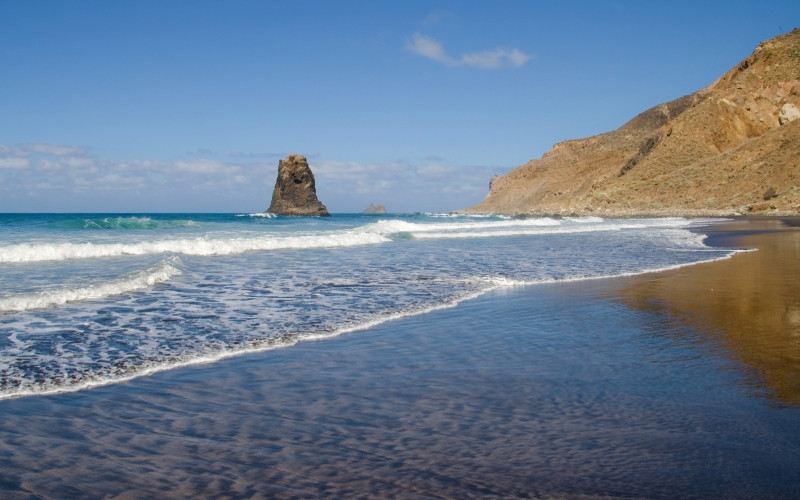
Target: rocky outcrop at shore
{"points": [[375, 209], [715, 152], [295, 192]]}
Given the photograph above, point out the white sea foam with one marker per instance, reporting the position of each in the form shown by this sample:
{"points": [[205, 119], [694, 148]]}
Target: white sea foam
{"points": [[204, 246], [265, 215], [520, 227], [586, 219], [230, 306], [489, 284], [370, 234], [561, 225], [126, 284], [466, 216], [400, 226]]}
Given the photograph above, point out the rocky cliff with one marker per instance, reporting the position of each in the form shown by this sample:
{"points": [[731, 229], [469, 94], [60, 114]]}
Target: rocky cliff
{"points": [[295, 192], [731, 148]]}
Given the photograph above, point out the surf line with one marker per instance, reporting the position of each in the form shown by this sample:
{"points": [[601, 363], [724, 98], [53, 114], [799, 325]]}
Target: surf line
{"points": [[491, 284]]}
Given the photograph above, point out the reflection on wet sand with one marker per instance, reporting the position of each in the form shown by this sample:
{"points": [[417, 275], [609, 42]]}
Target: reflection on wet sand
{"points": [[749, 303]]}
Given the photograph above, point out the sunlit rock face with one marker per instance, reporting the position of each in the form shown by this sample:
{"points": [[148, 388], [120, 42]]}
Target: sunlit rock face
{"points": [[295, 192]]}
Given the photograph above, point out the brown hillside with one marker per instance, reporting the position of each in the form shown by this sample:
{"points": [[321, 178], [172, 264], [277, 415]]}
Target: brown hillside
{"points": [[721, 150]]}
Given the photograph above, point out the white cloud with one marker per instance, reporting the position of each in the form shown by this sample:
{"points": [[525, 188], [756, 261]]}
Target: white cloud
{"points": [[140, 165], [205, 167], [436, 170], [110, 181], [14, 163], [37, 187], [41, 176], [426, 46], [52, 149], [401, 186], [48, 165], [36, 180], [496, 58], [78, 163]]}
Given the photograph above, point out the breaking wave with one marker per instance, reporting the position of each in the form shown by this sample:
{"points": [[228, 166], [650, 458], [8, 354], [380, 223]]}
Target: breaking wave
{"points": [[378, 232], [203, 246], [128, 223], [263, 215], [126, 284], [519, 227]]}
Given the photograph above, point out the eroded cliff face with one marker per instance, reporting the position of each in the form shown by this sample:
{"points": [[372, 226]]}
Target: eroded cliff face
{"points": [[731, 148], [295, 191]]}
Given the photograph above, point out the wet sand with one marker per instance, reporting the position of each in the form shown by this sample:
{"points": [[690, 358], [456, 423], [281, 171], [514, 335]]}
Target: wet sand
{"points": [[749, 304], [676, 384]]}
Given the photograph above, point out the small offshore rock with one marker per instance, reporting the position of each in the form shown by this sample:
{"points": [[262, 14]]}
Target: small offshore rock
{"points": [[375, 209]]}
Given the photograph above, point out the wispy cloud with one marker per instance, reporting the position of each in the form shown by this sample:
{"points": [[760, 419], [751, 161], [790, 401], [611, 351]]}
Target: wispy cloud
{"points": [[38, 175], [52, 149], [426, 46], [69, 178], [429, 185], [14, 163], [430, 48], [205, 167]]}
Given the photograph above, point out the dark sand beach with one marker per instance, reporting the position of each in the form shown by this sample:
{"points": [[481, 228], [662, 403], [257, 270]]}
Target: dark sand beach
{"points": [[675, 384]]}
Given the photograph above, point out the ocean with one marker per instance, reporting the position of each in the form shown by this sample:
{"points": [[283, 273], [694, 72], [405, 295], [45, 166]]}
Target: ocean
{"points": [[398, 356], [95, 299]]}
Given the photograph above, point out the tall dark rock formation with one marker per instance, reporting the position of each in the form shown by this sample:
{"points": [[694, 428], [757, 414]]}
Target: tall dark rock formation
{"points": [[295, 192]]}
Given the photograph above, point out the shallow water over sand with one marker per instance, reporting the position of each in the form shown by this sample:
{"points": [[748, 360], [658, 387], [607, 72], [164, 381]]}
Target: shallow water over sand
{"points": [[554, 390], [88, 300], [750, 305], [671, 384]]}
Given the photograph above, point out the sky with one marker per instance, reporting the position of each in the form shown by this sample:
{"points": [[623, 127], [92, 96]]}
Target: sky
{"points": [[188, 106]]}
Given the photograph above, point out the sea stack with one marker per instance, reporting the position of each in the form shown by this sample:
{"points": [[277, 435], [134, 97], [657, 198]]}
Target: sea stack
{"points": [[295, 192]]}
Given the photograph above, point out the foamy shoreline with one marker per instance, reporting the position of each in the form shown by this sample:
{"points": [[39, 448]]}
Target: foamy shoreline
{"points": [[165, 270], [556, 390]]}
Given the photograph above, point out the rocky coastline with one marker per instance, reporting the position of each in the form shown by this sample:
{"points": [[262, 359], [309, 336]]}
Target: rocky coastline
{"points": [[732, 148]]}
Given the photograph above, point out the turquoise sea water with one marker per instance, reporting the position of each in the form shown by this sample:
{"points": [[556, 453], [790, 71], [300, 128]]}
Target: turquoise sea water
{"points": [[91, 299]]}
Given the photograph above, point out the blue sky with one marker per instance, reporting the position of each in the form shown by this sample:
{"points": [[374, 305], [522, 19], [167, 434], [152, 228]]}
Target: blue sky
{"points": [[171, 106]]}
